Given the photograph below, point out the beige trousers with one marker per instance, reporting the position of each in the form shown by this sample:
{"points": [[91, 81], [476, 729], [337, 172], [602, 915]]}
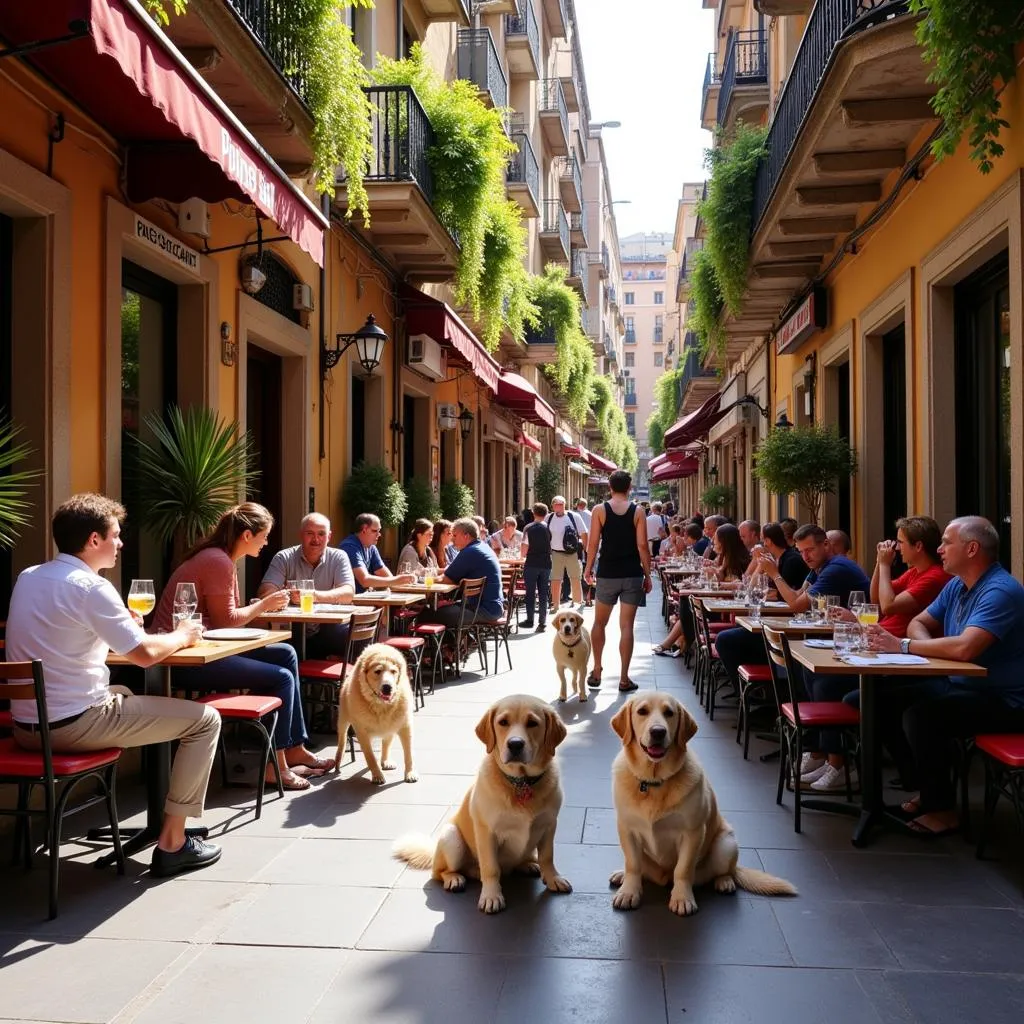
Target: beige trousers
{"points": [[130, 721]]}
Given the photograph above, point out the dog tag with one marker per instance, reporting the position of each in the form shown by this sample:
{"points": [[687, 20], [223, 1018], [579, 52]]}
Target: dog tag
{"points": [[570, 653], [524, 794]]}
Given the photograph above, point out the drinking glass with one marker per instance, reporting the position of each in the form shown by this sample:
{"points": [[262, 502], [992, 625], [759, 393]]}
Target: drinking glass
{"points": [[293, 591], [428, 580], [755, 609], [831, 604], [141, 597], [306, 596], [845, 638], [857, 598], [867, 614]]}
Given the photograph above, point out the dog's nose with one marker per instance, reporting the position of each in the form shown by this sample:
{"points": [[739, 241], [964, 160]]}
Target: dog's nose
{"points": [[385, 688], [657, 734], [515, 744]]}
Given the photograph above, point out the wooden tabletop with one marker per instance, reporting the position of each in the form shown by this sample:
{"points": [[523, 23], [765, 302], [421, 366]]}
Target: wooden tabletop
{"points": [[422, 588], [825, 662], [320, 613], [393, 600], [785, 625], [727, 607], [207, 651]]}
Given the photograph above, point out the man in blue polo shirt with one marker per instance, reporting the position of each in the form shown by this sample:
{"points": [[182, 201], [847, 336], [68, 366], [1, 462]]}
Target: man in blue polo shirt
{"points": [[475, 559], [978, 617], [367, 565]]}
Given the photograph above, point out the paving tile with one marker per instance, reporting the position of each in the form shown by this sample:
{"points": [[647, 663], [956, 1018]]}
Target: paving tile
{"points": [[431, 789], [831, 934], [599, 827], [244, 857], [338, 862], [570, 824], [376, 821], [966, 998], [809, 871], [413, 988]]}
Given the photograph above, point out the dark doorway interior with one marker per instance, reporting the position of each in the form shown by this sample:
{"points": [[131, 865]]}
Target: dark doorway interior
{"points": [[6, 369], [843, 492], [358, 425], [408, 437], [982, 373], [263, 416], [894, 428]]}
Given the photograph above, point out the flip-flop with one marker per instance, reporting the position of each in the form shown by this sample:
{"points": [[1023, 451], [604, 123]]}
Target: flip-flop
{"points": [[317, 767], [629, 687], [916, 827], [594, 682], [293, 784]]}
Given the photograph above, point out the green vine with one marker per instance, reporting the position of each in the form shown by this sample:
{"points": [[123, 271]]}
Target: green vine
{"points": [[704, 308], [157, 9], [616, 443], [971, 44], [666, 408], [504, 282]]}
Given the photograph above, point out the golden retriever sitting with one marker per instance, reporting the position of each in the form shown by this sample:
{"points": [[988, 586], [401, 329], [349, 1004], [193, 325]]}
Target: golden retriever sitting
{"points": [[571, 648], [376, 700], [507, 818], [669, 826]]}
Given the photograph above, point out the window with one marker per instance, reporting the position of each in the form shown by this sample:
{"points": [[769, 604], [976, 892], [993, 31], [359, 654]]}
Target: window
{"points": [[659, 321], [659, 298], [630, 359], [630, 325], [629, 298], [658, 359], [631, 424]]}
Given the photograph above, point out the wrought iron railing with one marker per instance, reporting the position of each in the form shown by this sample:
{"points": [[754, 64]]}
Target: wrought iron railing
{"points": [[570, 169], [402, 137], [523, 166], [552, 100], [659, 335], [478, 63], [578, 264], [711, 75], [269, 23], [830, 24], [693, 365], [746, 63], [525, 24], [630, 338], [555, 222], [578, 225]]}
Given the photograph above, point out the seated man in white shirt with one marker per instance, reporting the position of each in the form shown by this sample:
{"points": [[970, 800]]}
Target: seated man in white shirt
{"points": [[66, 615]]}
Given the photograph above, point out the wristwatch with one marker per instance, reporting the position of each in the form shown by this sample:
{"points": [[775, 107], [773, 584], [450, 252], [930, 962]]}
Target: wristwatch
{"points": [[904, 646]]}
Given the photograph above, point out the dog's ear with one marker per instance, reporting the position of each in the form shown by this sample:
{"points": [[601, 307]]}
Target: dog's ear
{"points": [[622, 723], [687, 726], [554, 732], [485, 730]]}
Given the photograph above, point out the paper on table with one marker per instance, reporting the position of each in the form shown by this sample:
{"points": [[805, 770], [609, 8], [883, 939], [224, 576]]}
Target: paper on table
{"points": [[825, 645], [885, 659]]}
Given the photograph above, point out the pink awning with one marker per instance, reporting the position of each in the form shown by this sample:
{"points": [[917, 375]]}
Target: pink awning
{"points": [[426, 315], [528, 442], [519, 395], [696, 425], [181, 140], [600, 462], [675, 468]]}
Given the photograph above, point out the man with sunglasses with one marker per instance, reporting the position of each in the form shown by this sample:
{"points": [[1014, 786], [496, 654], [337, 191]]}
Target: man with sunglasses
{"points": [[367, 565]]}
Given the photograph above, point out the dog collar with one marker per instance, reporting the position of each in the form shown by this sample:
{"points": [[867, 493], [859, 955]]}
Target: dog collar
{"points": [[574, 643], [646, 784], [523, 785]]}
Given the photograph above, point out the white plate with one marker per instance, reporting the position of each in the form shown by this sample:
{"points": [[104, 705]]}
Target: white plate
{"points": [[243, 633], [824, 645]]}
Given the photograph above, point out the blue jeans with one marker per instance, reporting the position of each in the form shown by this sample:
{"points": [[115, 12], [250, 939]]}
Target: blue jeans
{"points": [[269, 671], [538, 581], [826, 688]]}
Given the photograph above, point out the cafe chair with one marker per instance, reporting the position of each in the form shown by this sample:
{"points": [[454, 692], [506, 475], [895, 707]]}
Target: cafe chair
{"points": [[432, 633], [412, 649], [1003, 757], [251, 710], [755, 694], [469, 595], [23, 680], [709, 674], [499, 629], [796, 713]]}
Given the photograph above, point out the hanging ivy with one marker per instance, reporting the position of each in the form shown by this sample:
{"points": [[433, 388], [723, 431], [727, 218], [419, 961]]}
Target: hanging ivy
{"points": [[971, 44], [503, 284], [616, 443], [157, 9], [704, 308], [666, 408]]}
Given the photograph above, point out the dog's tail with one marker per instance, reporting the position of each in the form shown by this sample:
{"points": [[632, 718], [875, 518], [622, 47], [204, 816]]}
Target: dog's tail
{"points": [[762, 883], [416, 850]]}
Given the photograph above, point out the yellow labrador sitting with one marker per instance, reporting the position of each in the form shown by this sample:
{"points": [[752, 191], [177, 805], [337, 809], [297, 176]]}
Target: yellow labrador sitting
{"points": [[376, 700], [669, 825], [507, 818], [571, 648]]}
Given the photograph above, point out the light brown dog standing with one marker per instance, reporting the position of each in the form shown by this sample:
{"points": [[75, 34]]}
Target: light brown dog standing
{"points": [[670, 829], [507, 819], [571, 648]]}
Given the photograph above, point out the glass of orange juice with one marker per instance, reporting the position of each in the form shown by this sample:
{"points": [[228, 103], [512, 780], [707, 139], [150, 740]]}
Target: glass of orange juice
{"points": [[867, 614], [306, 596], [141, 597], [428, 581]]}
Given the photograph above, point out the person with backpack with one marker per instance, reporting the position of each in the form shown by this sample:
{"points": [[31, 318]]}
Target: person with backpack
{"points": [[568, 534], [657, 528]]}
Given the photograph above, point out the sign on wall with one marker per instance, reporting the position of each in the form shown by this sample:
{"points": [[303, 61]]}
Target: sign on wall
{"points": [[810, 316], [166, 245]]}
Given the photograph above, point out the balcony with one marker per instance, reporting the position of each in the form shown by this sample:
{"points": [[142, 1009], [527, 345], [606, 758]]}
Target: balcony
{"points": [[693, 246], [522, 176], [446, 10], [578, 229], [709, 95], [479, 64], [781, 8], [696, 385], [566, 72], [554, 117], [554, 232], [601, 260], [557, 17], [629, 398], [522, 43], [578, 273], [743, 94], [540, 346], [570, 183], [403, 222]]}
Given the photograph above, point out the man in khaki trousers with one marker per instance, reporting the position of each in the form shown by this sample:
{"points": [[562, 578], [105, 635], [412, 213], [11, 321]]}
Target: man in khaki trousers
{"points": [[65, 614]]}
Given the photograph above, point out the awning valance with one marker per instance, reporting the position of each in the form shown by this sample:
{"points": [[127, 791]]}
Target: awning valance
{"points": [[181, 139], [696, 425], [578, 467], [675, 468], [600, 462], [427, 315], [564, 437], [528, 442], [519, 395], [573, 450]]}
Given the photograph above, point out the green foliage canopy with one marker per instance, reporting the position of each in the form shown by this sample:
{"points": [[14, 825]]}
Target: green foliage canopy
{"points": [[370, 487]]}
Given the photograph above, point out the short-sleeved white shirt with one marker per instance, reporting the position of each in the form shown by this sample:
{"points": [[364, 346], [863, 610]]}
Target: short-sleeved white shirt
{"points": [[68, 617], [654, 526], [586, 515]]}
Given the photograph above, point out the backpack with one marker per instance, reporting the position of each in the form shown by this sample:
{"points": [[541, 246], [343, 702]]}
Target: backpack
{"points": [[570, 539]]}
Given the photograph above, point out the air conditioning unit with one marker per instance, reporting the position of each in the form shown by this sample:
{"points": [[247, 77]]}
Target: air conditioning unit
{"points": [[447, 416], [194, 217], [426, 357], [302, 298]]}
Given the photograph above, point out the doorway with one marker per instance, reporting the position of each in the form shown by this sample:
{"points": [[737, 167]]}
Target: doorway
{"points": [[842, 425], [894, 430], [6, 373], [263, 402], [982, 374], [358, 432]]}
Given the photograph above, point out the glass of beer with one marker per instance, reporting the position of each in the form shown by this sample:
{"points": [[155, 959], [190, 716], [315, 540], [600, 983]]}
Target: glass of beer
{"points": [[306, 596], [141, 597], [428, 580]]}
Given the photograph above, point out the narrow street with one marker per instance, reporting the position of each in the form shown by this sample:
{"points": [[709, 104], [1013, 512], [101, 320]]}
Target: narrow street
{"points": [[307, 917]]}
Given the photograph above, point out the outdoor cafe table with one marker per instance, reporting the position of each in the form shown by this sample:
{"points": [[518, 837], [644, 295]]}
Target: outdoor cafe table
{"points": [[872, 810], [786, 625], [297, 620], [157, 756], [729, 606], [391, 602], [430, 594]]}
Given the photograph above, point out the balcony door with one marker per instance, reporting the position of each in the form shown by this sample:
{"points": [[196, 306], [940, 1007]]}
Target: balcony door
{"points": [[263, 403]]}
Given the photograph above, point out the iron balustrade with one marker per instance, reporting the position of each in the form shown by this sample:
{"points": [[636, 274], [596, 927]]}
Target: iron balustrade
{"points": [[579, 264], [525, 24], [711, 76], [479, 64], [746, 63], [523, 166], [271, 27], [552, 99], [570, 168], [830, 24], [555, 222], [693, 365], [578, 223]]}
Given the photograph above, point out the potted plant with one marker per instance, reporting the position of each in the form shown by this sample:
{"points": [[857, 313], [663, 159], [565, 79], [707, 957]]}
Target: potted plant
{"points": [[548, 481], [718, 497], [371, 488], [807, 461], [14, 483], [420, 501], [457, 500], [196, 467]]}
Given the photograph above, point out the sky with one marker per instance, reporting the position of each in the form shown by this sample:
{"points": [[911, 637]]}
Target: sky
{"points": [[644, 62]]}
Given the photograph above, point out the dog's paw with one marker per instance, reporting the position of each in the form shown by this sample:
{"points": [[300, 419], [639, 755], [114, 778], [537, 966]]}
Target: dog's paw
{"points": [[725, 883], [411, 776], [626, 899], [491, 901], [560, 698], [454, 882], [388, 766], [583, 697], [615, 878], [558, 884], [682, 902], [377, 779], [529, 868]]}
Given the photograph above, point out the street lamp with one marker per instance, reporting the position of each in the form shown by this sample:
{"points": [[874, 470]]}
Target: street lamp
{"points": [[369, 341], [465, 422], [596, 126]]}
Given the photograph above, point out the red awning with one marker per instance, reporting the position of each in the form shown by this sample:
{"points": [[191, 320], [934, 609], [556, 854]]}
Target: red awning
{"points": [[519, 395], [573, 450], [674, 468], [181, 139], [426, 315], [696, 425], [600, 462], [528, 442]]}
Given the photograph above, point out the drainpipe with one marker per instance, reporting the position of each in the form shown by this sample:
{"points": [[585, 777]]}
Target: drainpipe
{"points": [[325, 208], [399, 28]]}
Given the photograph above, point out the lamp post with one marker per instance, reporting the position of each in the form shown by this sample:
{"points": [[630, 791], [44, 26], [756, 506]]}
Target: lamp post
{"points": [[465, 422], [596, 126], [369, 341]]}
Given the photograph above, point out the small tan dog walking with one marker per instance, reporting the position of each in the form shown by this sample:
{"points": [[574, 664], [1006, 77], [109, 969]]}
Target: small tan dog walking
{"points": [[669, 825], [507, 819], [376, 700], [571, 648]]}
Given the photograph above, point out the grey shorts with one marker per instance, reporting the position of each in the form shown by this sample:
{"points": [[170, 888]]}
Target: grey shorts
{"points": [[630, 589]]}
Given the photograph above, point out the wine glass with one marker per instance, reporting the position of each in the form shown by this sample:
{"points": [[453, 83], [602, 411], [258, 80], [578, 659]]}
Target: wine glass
{"points": [[141, 597], [185, 602], [857, 598]]}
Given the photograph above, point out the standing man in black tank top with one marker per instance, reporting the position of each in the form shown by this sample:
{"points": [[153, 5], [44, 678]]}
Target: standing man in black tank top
{"points": [[624, 573]]}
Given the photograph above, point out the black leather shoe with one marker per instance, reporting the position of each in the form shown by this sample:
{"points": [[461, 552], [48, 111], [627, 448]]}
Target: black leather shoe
{"points": [[540, 627], [523, 624], [195, 854]]}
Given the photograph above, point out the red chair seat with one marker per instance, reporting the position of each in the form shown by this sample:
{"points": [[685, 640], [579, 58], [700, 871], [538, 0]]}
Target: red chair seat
{"points": [[714, 628], [6, 720], [757, 674], [430, 629], [407, 613], [405, 643], [250, 705], [27, 764], [823, 713], [1007, 748], [322, 669]]}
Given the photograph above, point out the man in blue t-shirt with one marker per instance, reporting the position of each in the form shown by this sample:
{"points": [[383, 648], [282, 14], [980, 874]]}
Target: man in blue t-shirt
{"points": [[978, 617], [367, 565], [476, 559]]}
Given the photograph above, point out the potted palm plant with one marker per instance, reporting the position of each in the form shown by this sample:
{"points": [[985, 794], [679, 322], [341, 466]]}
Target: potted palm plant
{"points": [[14, 483]]}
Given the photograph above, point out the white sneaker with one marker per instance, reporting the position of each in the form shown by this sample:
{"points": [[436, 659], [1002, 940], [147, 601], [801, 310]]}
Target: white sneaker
{"points": [[813, 775], [810, 763], [580, 607], [833, 780]]}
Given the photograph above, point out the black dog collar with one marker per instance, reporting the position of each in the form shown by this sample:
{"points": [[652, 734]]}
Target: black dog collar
{"points": [[646, 784]]}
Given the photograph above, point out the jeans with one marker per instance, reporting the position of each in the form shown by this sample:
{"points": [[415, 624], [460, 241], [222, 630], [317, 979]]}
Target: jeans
{"points": [[826, 688], [269, 671], [538, 585], [738, 647], [330, 638]]}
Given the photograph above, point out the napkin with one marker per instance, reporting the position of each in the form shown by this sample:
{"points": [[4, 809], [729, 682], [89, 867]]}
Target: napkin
{"points": [[885, 659], [825, 645]]}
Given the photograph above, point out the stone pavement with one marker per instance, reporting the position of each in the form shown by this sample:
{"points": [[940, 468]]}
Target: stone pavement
{"points": [[307, 917]]}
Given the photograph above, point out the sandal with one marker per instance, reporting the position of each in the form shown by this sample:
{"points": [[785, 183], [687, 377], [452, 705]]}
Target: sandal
{"points": [[594, 681], [290, 782], [628, 687], [918, 827]]}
